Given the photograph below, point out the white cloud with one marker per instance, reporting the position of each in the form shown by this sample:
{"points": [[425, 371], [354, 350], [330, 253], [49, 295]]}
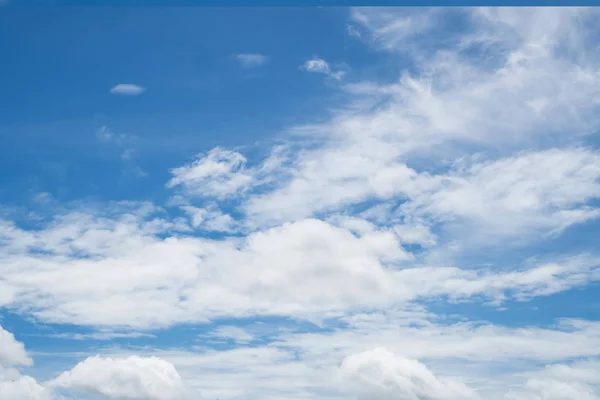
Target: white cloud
{"points": [[124, 143], [12, 352], [317, 65], [210, 219], [14, 386], [220, 173], [290, 270], [234, 333], [248, 60], [380, 374], [320, 66], [579, 381], [131, 378], [321, 229], [547, 190], [127, 89], [105, 134]]}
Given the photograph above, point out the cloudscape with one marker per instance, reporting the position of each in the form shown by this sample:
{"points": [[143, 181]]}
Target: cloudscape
{"points": [[300, 203]]}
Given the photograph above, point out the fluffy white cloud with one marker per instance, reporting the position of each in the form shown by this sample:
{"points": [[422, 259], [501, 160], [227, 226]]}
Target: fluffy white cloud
{"points": [[14, 386], [322, 228], [12, 352], [290, 270], [249, 60], [131, 378], [380, 374], [127, 89]]}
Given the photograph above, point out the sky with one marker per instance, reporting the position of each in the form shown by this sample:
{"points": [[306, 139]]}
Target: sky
{"points": [[299, 203]]}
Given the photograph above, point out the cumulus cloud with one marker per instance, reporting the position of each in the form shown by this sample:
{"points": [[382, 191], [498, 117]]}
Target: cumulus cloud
{"points": [[380, 374], [249, 60], [131, 378], [477, 145], [12, 352], [127, 89], [14, 386]]}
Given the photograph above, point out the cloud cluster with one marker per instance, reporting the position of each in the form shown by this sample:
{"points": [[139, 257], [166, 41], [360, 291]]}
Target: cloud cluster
{"points": [[351, 223], [80, 267], [130, 378]]}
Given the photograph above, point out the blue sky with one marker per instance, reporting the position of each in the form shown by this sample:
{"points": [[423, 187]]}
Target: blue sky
{"points": [[330, 203]]}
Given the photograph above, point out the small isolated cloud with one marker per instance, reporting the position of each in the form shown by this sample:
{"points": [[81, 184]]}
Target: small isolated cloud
{"points": [[317, 65], [320, 66], [248, 60], [127, 89]]}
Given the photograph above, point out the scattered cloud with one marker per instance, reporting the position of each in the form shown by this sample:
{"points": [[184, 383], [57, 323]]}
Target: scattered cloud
{"points": [[127, 89], [249, 60], [320, 66], [125, 144], [348, 230], [220, 173]]}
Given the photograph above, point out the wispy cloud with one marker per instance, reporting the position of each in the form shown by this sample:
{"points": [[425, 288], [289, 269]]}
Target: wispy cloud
{"points": [[249, 60], [124, 143], [320, 66], [127, 89]]}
